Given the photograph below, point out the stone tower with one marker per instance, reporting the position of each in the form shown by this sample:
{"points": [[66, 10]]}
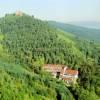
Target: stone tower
{"points": [[19, 13]]}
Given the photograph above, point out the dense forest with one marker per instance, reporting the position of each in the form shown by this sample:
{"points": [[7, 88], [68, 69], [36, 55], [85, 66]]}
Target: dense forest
{"points": [[27, 43]]}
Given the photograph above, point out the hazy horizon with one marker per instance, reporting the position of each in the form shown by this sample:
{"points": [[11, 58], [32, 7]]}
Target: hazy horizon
{"points": [[62, 10]]}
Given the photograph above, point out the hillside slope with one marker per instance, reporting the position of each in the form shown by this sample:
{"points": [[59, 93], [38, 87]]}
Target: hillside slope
{"points": [[26, 44], [17, 83], [28, 38]]}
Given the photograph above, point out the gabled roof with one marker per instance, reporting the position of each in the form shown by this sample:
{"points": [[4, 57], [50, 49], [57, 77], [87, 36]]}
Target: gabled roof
{"points": [[67, 78], [60, 68], [53, 67], [71, 72]]}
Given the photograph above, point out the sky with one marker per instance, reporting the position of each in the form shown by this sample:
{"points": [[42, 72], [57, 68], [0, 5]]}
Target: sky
{"points": [[57, 10]]}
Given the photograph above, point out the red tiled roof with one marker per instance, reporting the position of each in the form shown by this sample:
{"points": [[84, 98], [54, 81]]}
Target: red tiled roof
{"points": [[71, 72], [68, 79], [60, 68], [53, 67]]}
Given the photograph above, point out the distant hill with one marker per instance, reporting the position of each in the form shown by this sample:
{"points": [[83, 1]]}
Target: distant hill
{"points": [[87, 24], [87, 33]]}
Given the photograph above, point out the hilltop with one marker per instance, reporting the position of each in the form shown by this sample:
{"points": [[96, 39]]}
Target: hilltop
{"points": [[28, 38]]}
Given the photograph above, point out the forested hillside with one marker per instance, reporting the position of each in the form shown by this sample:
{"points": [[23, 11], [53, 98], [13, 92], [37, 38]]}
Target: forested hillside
{"points": [[17, 83], [85, 33], [27, 43], [28, 38]]}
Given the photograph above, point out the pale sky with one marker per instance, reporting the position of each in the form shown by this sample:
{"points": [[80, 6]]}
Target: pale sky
{"points": [[57, 10]]}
